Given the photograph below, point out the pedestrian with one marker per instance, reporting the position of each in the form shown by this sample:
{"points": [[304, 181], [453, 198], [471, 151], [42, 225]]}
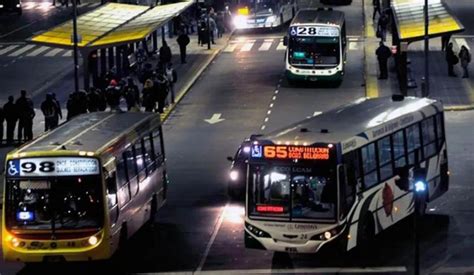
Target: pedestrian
{"points": [[451, 59], [172, 77], [59, 110], [11, 116], [212, 28], [148, 96], [132, 95], [382, 27], [465, 58], [183, 41], [165, 54], [71, 106], [93, 99], [82, 102], [50, 112], [376, 4], [2, 119], [26, 113], [161, 91], [383, 54], [102, 101], [220, 24], [203, 34], [445, 41], [112, 95]]}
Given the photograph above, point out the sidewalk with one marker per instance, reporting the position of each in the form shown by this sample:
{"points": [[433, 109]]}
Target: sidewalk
{"points": [[198, 59], [455, 92]]}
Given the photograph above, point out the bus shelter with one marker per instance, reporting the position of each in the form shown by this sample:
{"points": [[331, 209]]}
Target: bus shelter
{"points": [[408, 25], [116, 28]]}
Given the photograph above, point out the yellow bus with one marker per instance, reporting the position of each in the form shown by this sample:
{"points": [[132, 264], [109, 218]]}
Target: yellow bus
{"points": [[77, 193]]}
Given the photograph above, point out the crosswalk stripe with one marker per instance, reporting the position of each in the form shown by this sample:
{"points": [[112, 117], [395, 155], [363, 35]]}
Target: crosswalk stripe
{"points": [[53, 52], [7, 49], [281, 47], [68, 53], [231, 47], [21, 50], [28, 6], [353, 46], [247, 46], [38, 51], [266, 45], [460, 42]]}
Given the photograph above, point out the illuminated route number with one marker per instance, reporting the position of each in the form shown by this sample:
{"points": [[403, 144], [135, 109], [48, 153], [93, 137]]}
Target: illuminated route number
{"points": [[306, 31], [31, 167]]}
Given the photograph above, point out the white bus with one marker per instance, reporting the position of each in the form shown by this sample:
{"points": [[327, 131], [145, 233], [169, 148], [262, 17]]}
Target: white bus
{"points": [[316, 46], [78, 192], [252, 14], [342, 177]]}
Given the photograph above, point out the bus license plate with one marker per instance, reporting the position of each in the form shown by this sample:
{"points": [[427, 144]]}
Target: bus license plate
{"points": [[291, 249]]}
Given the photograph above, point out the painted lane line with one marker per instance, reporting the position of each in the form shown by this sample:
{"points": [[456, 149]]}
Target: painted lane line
{"points": [[22, 50], [353, 46], [266, 45], [281, 47], [263, 127], [271, 105], [274, 97], [53, 52], [269, 112], [266, 119], [38, 51], [247, 46], [67, 53], [231, 47], [213, 238], [7, 49], [276, 91], [317, 113]]}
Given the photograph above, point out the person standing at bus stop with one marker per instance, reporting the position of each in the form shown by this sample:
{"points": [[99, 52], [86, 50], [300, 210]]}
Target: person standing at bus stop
{"points": [[183, 41], [26, 113], [465, 58], [165, 55], [376, 4], [11, 116], [383, 54], [451, 59]]}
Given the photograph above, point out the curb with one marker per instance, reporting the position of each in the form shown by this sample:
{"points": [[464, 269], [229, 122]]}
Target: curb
{"points": [[187, 87], [456, 108]]}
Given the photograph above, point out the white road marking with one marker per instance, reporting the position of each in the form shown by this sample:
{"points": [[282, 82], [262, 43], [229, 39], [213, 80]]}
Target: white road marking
{"points": [[271, 105], [274, 97], [353, 46], [317, 113], [269, 112], [21, 50], [247, 46], [266, 45], [263, 127], [281, 47], [213, 238], [455, 270], [38, 51], [231, 47], [68, 53], [7, 49], [266, 119], [53, 52], [460, 42], [216, 118]]}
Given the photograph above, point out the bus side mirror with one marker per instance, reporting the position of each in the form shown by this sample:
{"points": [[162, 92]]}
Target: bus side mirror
{"points": [[285, 40], [230, 158], [402, 182]]}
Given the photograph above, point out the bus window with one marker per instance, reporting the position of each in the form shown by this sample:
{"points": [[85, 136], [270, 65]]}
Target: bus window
{"points": [[413, 142], [157, 147], [385, 158], [131, 170], [149, 153], [439, 129], [123, 193], [369, 165], [347, 191], [399, 149], [429, 137], [139, 156], [351, 160]]}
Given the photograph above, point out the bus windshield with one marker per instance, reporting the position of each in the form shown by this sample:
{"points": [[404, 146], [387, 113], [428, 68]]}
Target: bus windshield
{"points": [[262, 6], [292, 192], [313, 51], [56, 203]]}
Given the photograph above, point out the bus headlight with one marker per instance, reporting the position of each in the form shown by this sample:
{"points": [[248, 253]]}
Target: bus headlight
{"points": [[256, 231], [234, 175], [271, 19], [93, 240], [328, 234], [240, 21]]}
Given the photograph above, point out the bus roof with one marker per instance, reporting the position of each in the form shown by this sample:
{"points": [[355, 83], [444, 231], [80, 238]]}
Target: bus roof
{"points": [[354, 119], [91, 132], [318, 16]]}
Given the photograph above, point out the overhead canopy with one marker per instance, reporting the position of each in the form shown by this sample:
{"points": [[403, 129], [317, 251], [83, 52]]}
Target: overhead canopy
{"points": [[409, 19], [111, 25]]}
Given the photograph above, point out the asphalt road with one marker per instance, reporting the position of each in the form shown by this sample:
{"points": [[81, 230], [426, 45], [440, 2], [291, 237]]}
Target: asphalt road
{"points": [[200, 229]]}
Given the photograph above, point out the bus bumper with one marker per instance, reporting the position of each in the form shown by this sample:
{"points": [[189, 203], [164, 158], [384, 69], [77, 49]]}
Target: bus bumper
{"points": [[291, 76], [270, 244]]}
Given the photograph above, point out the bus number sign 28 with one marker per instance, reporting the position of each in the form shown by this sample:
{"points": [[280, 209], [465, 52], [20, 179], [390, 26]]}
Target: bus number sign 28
{"points": [[315, 31]]}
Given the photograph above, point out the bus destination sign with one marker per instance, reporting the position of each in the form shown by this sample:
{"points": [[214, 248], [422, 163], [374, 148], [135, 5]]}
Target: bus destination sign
{"points": [[314, 31], [290, 152], [46, 167]]}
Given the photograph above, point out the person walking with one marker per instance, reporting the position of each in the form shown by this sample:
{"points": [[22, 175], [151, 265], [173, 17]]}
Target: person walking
{"points": [[451, 59], [71, 107], [58, 108], [161, 84], [383, 54], [132, 95], [26, 113], [93, 100], [148, 96], [50, 112], [183, 41], [165, 54], [212, 28], [2, 119], [376, 4], [382, 27], [465, 58], [11, 116], [172, 77]]}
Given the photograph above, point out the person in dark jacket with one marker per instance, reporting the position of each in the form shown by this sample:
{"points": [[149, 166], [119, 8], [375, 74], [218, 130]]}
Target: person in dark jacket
{"points": [[451, 59], [132, 95], [26, 113], [11, 116], [148, 96], [2, 119], [50, 112], [383, 54], [113, 94], [165, 54], [93, 99], [376, 4], [60, 112], [183, 41], [382, 26]]}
